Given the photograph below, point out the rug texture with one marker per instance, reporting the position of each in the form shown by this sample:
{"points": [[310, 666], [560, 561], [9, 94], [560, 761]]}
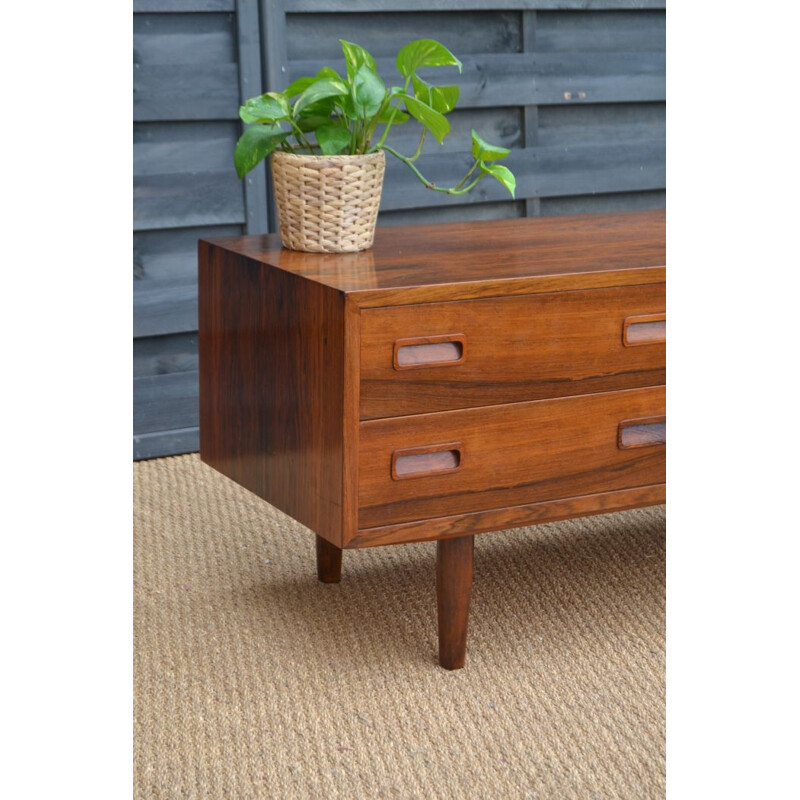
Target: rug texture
{"points": [[254, 680]]}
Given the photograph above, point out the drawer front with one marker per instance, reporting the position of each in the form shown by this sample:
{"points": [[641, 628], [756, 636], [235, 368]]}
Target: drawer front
{"points": [[444, 356], [455, 462]]}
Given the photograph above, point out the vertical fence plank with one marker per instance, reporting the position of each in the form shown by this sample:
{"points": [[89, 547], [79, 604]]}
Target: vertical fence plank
{"points": [[533, 206], [248, 32], [275, 67]]}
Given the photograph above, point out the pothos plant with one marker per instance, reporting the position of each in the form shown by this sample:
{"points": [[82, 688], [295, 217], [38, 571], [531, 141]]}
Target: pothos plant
{"points": [[354, 115]]}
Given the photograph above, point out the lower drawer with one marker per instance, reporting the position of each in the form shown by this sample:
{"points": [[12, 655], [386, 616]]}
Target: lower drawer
{"points": [[455, 462]]}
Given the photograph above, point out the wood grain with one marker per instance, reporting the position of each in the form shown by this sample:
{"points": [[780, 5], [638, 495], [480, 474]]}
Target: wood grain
{"points": [[498, 519], [462, 261], [329, 561], [271, 385], [512, 455], [454, 571], [516, 349]]}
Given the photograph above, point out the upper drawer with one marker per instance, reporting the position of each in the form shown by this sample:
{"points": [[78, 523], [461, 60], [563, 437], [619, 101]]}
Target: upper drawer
{"points": [[442, 356]]}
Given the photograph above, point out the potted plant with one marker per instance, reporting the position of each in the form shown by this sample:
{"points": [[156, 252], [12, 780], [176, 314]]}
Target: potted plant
{"points": [[326, 136]]}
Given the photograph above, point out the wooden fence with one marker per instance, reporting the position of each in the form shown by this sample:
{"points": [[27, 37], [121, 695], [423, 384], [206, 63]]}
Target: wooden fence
{"points": [[576, 89]]}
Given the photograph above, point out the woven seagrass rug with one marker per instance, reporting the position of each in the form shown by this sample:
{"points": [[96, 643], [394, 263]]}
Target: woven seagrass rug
{"points": [[252, 679]]}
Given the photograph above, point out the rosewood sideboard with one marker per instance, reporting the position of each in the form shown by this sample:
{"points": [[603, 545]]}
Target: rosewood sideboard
{"points": [[453, 380]]}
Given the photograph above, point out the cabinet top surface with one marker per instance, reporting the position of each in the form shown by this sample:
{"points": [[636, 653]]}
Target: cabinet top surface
{"points": [[462, 260]]}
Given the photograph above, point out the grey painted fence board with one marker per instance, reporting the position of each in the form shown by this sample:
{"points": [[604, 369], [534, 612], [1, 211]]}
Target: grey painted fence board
{"points": [[251, 83], [316, 6], [165, 402], [185, 91], [165, 306], [162, 355], [600, 31], [518, 79], [170, 147], [604, 203], [316, 36], [184, 199], [166, 443], [183, 6], [443, 214], [183, 38], [540, 172]]}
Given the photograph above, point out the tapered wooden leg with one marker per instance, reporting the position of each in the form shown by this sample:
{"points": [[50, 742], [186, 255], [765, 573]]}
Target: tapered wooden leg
{"points": [[329, 561], [453, 588]]}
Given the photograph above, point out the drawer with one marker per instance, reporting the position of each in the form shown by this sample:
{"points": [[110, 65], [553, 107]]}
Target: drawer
{"points": [[444, 356], [456, 462]]}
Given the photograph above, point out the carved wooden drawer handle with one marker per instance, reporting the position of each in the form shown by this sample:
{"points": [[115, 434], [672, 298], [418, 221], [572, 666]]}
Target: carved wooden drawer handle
{"points": [[430, 351], [423, 462], [642, 432], [644, 329]]}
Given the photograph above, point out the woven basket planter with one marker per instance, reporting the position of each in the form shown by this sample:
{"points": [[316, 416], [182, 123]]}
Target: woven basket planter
{"points": [[327, 204]]}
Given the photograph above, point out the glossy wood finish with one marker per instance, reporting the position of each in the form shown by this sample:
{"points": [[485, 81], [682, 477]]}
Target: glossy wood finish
{"points": [[329, 561], [454, 380], [498, 519], [454, 570], [512, 455], [460, 261], [515, 349], [271, 386]]}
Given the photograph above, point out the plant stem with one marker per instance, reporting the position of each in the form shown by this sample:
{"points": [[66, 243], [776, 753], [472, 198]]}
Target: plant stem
{"points": [[419, 147], [430, 184], [301, 140], [472, 169], [391, 119]]}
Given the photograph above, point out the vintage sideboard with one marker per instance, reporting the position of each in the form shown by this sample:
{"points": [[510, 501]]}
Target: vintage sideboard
{"points": [[453, 380]]}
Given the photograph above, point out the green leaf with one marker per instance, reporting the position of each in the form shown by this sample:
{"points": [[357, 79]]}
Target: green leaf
{"points": [[485, 151], [298, 86], [368, 92], [329, 72], [424, 53], [332, 138], [254, 145], [435, 122], [356, 56], [319, 90], [399, 116], [269, 107], [442, 98], [503, 174]]}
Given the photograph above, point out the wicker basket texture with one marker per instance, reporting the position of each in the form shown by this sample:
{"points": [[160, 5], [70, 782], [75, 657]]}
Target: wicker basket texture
{"points": [[327, 204]]}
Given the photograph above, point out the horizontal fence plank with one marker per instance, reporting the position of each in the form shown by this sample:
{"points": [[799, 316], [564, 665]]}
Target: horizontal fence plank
{"points": [[443, 214], [181, 200], [540, 172], [316, 36], [165, 306], [181, 6], [515, 79], [163, 355], [599, 123], [600, 31], [166, 443], [184, 38], [318, 6], [165, 279], [169, 147], [604, 203], [185, 91], [165, 402]]}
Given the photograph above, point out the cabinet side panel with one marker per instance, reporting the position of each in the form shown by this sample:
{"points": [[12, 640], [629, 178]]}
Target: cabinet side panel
{"points": [[271, 397]]}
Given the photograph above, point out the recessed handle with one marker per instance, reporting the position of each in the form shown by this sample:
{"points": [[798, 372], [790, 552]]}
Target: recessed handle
{"points": [[645, 432], [421, 462], [430, 351], [644, 329]]}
